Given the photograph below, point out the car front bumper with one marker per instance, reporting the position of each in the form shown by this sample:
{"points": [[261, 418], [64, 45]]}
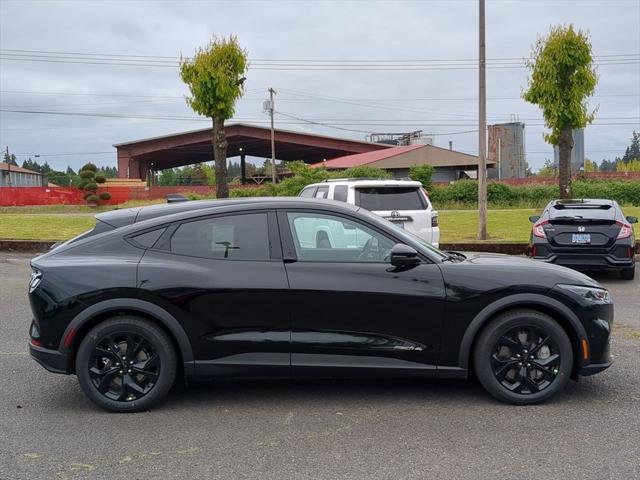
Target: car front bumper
{"points": [[52, 360], [594, 368]]}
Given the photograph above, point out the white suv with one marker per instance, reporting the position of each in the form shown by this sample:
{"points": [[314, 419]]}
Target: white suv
{"points": [[403, 202]]}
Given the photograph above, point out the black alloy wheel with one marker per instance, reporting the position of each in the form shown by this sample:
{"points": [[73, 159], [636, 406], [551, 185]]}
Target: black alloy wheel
{"points": [[526, 360], [124, 367], [126, 364], [523, 357]]}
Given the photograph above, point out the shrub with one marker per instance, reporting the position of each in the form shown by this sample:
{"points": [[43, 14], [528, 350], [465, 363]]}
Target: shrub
{"points": [[362, 171], [422, 174], [105, 196], [86, 174], [100, 179], [90, 166], [91, 187], [93, 199], [465, 193], [87, 195]]}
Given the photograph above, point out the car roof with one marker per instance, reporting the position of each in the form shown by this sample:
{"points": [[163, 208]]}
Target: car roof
{"points": [[128, 216], [368, 182]]}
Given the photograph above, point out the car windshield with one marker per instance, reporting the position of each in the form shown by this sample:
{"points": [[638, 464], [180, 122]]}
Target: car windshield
{"points": [[390, 198]]}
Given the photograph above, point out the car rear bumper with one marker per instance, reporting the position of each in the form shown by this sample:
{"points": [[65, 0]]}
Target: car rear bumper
{"points": [[617, 257], [52, 360], [584, 260]]}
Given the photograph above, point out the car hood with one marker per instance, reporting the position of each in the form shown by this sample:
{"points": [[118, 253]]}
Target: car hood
{"points": [[524, 270]]}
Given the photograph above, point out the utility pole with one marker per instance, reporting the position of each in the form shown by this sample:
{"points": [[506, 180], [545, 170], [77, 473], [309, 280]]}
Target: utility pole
{"points": [[482, 132], [8, 166], [273, 137]]}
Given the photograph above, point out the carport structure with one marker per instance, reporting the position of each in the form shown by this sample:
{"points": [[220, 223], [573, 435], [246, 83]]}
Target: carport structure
{"points": [[136, 158]]}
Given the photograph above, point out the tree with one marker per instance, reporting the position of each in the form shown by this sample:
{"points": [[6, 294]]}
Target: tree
{"points": [[633, 151], [90, 178], [547, 169], [630, 166], [608, 165], [590, 166], [10, 159], [198, 176], [167, 177], [422, 174], [562, 78], [215, 76]]}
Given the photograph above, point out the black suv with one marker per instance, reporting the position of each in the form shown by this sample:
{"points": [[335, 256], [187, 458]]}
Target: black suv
{"points": [[589, 234], [302, 287]]}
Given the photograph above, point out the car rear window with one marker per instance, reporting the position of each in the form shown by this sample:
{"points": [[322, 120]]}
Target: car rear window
{"points": [[586, 211], [390, 198]]}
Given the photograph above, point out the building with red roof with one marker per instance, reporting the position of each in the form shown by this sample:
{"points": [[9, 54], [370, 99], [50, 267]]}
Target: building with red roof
{"points": [[448, 164]]}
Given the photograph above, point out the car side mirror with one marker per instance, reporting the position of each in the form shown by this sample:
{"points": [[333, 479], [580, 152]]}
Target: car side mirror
{"points": [[632, 219], [404, 256], [534, 218]]}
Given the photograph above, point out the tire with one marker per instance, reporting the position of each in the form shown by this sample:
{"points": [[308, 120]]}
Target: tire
{"points": [[533, 377], [628, 273], [104, 349]]}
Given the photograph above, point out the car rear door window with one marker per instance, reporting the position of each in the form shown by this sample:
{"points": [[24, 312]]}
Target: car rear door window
{"points": [[234, 237], [390, 198], [340, 193]]}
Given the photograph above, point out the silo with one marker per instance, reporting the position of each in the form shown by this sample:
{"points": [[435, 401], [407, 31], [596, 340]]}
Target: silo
{"points": [[506, 148]]}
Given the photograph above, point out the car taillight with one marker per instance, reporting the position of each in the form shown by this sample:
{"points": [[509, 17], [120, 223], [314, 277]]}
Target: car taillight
{"points": [[434, 220], [538, 229], [625, 230]]}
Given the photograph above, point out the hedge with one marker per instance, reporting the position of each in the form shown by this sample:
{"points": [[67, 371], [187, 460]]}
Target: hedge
{"points": [[502, 195]]}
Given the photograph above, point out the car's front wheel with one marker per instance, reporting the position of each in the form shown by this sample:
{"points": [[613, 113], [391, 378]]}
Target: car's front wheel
{"points": [[126, 364], [523, 357]]}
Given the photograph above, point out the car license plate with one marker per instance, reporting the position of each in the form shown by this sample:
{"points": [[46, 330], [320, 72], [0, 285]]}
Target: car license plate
{"points": [[581, 238]]}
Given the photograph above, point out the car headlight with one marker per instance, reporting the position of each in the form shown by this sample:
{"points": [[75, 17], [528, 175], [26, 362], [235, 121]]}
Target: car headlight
{"points": [[593, 295]]}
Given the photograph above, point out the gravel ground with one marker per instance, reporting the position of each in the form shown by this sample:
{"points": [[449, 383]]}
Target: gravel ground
{"points": [[317, 429]]}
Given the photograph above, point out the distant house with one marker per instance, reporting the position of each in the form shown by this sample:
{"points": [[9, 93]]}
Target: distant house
{"points": [[448, 164], [12, 176]]}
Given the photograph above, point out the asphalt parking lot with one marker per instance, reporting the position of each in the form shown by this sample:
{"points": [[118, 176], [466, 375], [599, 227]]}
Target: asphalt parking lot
{"points": [[317, 430]]}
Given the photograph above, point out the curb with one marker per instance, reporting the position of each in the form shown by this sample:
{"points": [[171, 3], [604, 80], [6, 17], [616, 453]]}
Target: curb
{"points": [[31, 246]]}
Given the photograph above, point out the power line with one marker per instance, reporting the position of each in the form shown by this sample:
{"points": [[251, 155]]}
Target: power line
{"points": [[291, 64]]}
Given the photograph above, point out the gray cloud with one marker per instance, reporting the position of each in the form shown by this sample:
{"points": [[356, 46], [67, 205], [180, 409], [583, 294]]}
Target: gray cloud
{"points": [[301, 30]]}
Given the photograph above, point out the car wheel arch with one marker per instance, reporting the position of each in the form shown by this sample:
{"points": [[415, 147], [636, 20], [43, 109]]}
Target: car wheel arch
{"points": [[94, 314], [555, 309]]}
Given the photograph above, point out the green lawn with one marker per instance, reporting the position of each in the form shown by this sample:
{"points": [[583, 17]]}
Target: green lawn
{"points": [[455, 225]]}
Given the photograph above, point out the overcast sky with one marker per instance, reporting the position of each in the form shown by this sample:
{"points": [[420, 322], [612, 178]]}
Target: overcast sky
{"points": [[441, 100]]}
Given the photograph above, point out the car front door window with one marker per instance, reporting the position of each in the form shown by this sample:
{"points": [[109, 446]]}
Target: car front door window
{"points": [[328, 238]]}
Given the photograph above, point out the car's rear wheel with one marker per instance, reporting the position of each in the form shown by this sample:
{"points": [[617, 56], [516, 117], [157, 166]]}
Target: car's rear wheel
{"points": [[126, 364], [628, 273], [523, 357]]}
